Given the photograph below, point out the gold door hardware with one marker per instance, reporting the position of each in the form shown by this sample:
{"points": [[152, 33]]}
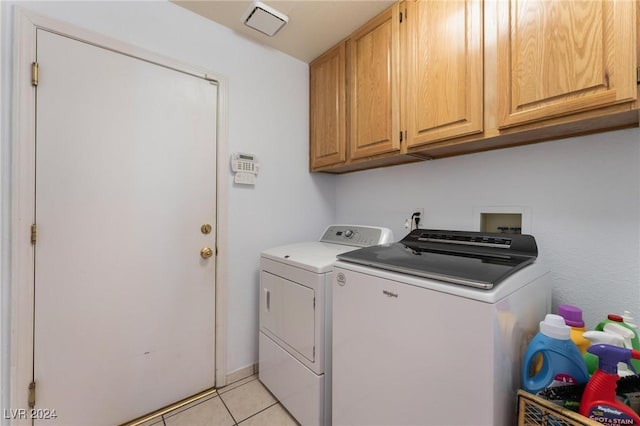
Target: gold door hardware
{"points": [[206, 228], [34, 233], [206, 252], [32, 395], [34, 74]]}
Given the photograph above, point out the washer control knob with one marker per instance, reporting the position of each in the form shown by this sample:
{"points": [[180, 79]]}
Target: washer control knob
{"points": [[348, 233]]}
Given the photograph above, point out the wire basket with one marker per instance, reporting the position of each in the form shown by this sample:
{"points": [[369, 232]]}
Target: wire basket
{"points": [[535, 411]]}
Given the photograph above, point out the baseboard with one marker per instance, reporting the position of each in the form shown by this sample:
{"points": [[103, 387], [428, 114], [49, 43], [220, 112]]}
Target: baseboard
{"points": [[242, 373]]}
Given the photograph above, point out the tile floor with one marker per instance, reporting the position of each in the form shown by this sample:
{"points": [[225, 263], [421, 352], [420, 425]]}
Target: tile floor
{"points": [[246, 402]]}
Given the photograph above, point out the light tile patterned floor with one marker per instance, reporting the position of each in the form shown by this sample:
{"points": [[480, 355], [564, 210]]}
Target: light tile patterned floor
{"points": [[246, 403]]}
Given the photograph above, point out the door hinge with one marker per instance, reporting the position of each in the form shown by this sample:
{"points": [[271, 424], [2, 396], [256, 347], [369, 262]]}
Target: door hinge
{"points": [[401, 138], [32, 394], [314, 352], [638, 75], [401, 17], [34, 233], [34, 74], [314, 303]]}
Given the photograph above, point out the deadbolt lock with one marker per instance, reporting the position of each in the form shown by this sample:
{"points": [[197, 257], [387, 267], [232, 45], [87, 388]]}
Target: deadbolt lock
{"points": [[206, 252], [206, 228]]}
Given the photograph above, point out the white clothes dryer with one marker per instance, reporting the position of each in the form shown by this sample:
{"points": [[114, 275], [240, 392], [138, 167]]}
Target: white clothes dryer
{"points": [[295, 318]]}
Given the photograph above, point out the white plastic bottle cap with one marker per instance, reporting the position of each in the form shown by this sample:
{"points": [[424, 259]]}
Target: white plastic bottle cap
{"points": [[555, 327], [628, 319]]}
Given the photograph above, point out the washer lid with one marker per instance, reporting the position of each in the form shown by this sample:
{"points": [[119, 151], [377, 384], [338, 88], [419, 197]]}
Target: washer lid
{"points": [[468, 258], [313, 256]]}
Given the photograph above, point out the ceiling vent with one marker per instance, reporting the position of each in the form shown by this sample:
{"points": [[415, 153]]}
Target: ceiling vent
{"points": [[265, 19]]}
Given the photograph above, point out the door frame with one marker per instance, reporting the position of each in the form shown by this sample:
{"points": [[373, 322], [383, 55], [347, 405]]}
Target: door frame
{"points": [[23, 123]]}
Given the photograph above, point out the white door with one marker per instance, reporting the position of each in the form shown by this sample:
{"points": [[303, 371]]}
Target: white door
{"points": [[125, 178]]}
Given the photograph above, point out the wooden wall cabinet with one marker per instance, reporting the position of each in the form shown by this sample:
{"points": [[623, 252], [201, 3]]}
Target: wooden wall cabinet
{"points": [[561, 57], [375, 86], [443, 58], [327, 118], [428, 79]]}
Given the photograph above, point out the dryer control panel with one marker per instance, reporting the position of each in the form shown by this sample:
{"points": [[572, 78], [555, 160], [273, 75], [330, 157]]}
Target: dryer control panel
{"points": [[359, 236]]}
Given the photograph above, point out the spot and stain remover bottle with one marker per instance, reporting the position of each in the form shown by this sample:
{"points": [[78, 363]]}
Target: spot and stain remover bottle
{"points": [[599, 401]]}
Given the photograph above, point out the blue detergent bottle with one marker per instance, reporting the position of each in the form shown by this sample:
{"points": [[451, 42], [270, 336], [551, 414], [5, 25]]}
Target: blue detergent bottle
{"points": [[562, 363]]}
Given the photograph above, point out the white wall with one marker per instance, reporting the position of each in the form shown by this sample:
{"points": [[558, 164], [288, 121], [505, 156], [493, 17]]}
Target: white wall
{"points": [[4, 217], [583, 195], [268, 116]]}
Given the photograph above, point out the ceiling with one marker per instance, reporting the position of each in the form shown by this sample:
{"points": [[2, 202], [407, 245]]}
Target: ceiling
{"points": [[314, 26]]}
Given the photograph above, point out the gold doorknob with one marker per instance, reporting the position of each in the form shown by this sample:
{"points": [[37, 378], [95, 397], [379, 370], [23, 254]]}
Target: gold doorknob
{"points": [[206, 253]]}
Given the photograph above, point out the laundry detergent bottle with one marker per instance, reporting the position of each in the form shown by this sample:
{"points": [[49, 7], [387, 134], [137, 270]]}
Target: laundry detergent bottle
{"points": [[573, 318], [635, 341], [562, 362], [599, 401]]}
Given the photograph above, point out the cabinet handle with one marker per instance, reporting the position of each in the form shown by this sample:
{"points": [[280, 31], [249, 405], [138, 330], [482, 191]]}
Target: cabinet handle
{"points": [[268, 299]]}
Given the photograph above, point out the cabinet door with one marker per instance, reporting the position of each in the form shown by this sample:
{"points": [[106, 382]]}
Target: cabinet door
{"points": [[327, 95], [375, 112], [557, 57], [444, 57]]}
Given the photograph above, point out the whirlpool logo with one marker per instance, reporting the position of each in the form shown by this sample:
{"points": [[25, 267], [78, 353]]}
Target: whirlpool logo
{"points": [[341, 278], [390, 293]]}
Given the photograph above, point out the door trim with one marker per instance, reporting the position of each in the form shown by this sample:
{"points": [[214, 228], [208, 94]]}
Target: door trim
{"points": [[23, 185]]}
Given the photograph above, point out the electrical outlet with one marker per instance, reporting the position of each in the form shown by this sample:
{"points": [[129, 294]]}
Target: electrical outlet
{"points": [[410, 223], [419, 214]]}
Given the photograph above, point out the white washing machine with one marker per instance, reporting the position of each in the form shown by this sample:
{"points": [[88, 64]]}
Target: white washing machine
{"points": [[295, 318], [431, 330]]}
